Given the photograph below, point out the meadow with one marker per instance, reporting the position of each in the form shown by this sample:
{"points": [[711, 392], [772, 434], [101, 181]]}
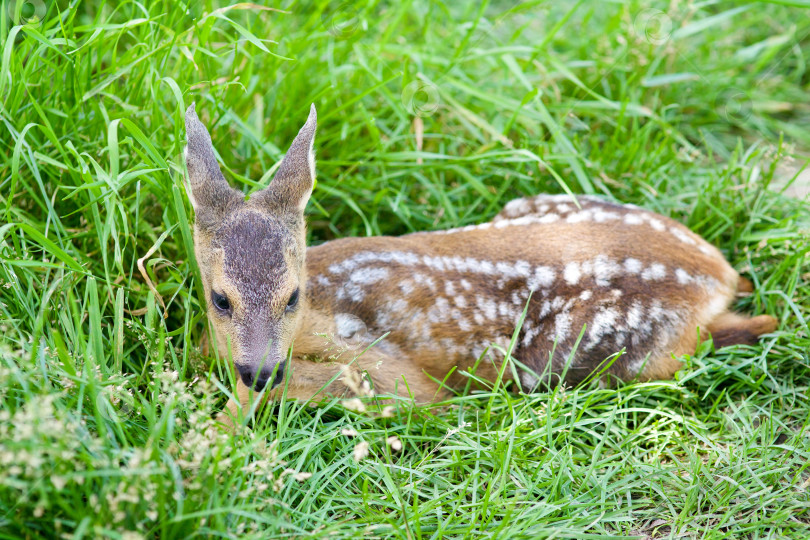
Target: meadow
{"points": [[431, 115]]}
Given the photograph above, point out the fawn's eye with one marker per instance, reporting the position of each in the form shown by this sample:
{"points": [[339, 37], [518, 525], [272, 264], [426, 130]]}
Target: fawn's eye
{"points": [[293, 301], [220, 302]]}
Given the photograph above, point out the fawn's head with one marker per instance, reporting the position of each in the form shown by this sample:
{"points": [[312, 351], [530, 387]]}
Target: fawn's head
{"points": [[251, 253]]}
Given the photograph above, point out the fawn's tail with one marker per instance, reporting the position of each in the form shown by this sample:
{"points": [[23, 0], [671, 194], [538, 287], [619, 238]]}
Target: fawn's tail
{"points": [[734, 329]]}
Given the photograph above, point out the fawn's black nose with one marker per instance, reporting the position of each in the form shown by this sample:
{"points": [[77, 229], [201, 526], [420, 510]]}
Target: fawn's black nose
{"points": [[258, 380]]}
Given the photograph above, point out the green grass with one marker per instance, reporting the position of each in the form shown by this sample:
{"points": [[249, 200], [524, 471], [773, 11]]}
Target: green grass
{"points": [[106, 404]]}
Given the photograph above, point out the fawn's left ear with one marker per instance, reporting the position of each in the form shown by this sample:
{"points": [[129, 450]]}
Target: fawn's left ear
{"points": [[292, 184]]}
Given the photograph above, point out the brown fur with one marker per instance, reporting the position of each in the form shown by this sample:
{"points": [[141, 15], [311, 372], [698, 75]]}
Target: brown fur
{"points": [[624, 278], [745, 286]]}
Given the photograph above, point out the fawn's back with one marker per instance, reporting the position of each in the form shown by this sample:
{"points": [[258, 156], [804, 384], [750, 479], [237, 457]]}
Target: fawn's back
{"points": [[634, 280], [581, 280]]}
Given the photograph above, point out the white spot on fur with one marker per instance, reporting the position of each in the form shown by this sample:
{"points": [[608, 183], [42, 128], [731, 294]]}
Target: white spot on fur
{"points": [[405, 259], [347, 325], [456, 263], [406, 286], [634, 316], [522, 268], [602, 216], [422, 279], [518, 206], [440, 312], [367, 276], [604, 270], [656, 311], [543, 276], [579, 217], [353, 291], [504, 268], [656, 224], [682, 276], [585, 295], [632, 266], [426, 333], [466, 285], [436, 263], [337, 268], [562, 327], [601, 326], [487, 306], [572, 273], [506, 310], [655, 272], [447, 344], [490, 309], [548, 218], [633, 219], [529, 336], [399, 305], [682, 236]]}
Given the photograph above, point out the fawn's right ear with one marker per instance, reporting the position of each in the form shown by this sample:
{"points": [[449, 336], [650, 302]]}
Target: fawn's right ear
{"points": [[210, 193]]}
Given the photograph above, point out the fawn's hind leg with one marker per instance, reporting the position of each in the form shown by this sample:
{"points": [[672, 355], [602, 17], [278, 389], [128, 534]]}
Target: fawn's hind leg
{"points": [[726, 329], [734, 329], [731, 328]]}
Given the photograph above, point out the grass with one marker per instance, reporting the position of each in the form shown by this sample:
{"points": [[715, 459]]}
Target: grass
{"points": [[692, 110]]}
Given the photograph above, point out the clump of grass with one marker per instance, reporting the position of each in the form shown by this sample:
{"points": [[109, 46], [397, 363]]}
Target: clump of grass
{"points": [[431, 116]]}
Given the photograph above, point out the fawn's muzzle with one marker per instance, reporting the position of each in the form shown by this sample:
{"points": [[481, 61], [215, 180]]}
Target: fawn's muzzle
{"points": [[257, 378]]}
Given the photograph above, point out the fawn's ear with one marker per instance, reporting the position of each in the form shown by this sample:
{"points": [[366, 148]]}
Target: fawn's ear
{"points": [[295, 177], [210, 193]]}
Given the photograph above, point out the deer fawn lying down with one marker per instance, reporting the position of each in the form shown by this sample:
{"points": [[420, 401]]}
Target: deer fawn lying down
{"points": [[634, 280]]}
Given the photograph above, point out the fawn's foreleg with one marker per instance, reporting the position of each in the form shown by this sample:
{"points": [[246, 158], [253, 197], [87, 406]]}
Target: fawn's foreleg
{"points": [[308, 380], [311, 380]]}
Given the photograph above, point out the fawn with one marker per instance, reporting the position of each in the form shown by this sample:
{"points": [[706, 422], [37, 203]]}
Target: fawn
{"points": [[622, 278]]}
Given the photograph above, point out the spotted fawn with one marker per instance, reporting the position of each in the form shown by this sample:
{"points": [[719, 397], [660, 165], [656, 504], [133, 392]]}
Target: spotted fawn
{"points": [[588, 278]]}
